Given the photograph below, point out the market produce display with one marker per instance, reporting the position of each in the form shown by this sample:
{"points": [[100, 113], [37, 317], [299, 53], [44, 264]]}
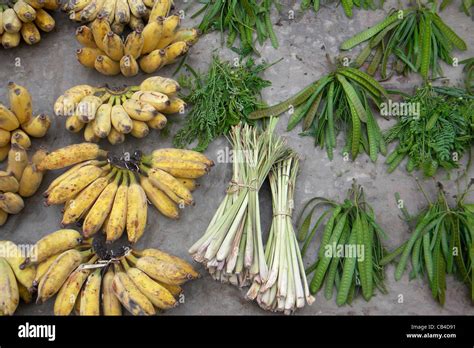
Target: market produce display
{"points": [[149, 48], [220, 99], [440, 244], [110, 193], [437, 134], [403, 35], [347, 5], [24, 19], [239, 20], [350, 252], [112, 113], [89, 278], [17, 123], [339, 100]]}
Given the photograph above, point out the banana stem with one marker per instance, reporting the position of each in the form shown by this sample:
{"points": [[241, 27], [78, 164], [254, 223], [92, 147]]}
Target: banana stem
{"points": [[133, 179], [86, 253], [132, 259], [138, 253], [146, 160], [144, 168], [124, 263]]}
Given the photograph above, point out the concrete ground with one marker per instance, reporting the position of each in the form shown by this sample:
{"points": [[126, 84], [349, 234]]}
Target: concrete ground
{"points": [[50, 67]]}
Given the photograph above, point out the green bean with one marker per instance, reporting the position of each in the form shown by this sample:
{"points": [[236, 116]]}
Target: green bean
{"points": [[427, 255], [347, 271]]}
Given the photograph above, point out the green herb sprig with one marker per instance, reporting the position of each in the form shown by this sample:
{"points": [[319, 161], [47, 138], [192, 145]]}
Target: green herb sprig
{"points": [[347, 5]]}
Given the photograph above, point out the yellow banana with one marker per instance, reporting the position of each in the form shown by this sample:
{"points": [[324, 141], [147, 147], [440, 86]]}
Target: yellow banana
{"points": [[20, 102], [37, 126], [25, 12], [181, 168], [118, 215], [39, 156], [52, 5], [159, 199], [17, 161], [134, 44], [130, 296], [190, 36], [24, 293], [169, 184], [9, 295], [139, 110], [153, 61], [72, 154], [170, 259], [174, 51], [115, 137], [165, 272], [10, 40], [100, 27], [21, 138], [117, 27], [8, 120], [85, 37], [91, 11], [100, 210], [5, 137], [3, 217], [67, 106], [15, 257], [78, 5], [161, 8], [158, 122], [181, 154], [69, 293], [30, 33], [11, 203], [160, 84], [89, 134], [110, 304], [103, 121], [108, 10], [139, 129], [122, 12], [44, 21], [158, 100], [8, 182], [170, 26], [136, 210], [11, 23], [136, 23], [151, 35], [30, 181], [113, 46], [190, 184], [121, 120], [36, 4], [88, 55], [137, 8], [57, 274], [42, 267], [128, 66], [106, 66], [74, 124], [90, 295]]}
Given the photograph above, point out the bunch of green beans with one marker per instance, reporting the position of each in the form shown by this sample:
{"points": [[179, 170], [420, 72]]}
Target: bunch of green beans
{"points": [[349, 255], [347, 5], [442, 243]]}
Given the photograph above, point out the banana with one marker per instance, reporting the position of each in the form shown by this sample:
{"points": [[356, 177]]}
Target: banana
{"points": [[169, 185], [21, 138], [153, 61], [39, 156], [175, 50], [74, 124], [30, 181], [158, 100], [190, 36], [37, 126], [78, 5], [80, 204], [44, 21], [128, 66], [106, 66], [8, 182], [87, 108], [136, 23], [14, 256], [136, 210], [190, 184], [89, 134], [122, 12], [42, 267], [103, 123], [72, 154], [88, 55], [30, 33], [3, 217], [159, 199], [5, 137], [69, 293], [57, 274], [118, 215], [160, 84], [1, 23], [75, 94], [4, 152], [9, 295], [115, 137], [17, 160], [139, 110], [137, 8], [53, 243], [134, 44], [100, 210], [25, 12], [8, 120], [52, 5], [151, 35], [170, 259], [108, 10], [110, 304], [90, 295], [158, 122], [20, 102], [10, 40], [36, 4], [181, 154], [181, 168], [161, 271], [170, 25], [121, 121], [68, 189], [117, 27], [85, 37], [11, 23], [130, 296], [139, 129], [11, 203], [113, 46], [161, 8], [91, 11], [100, 27], [24, 293]]}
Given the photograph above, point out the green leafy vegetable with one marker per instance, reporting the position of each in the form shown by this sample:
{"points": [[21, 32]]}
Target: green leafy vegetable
{"points": [[347, 5]]}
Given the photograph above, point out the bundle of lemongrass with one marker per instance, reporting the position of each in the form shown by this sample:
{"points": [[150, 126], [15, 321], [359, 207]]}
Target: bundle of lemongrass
{"points": [[286, 287], [232, 246]]}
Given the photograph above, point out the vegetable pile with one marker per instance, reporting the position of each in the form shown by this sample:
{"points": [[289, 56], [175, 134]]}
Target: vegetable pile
{"points": [[416, 38], [441, 244], [347, 5], [220, 99], [436, 137], [337, 101], [350, 253]]}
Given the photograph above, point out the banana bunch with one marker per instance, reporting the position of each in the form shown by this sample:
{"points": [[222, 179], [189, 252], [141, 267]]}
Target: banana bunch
{"points": [[88, 278], [24, 19], [111, 194], [114, 112], [148, 47], [21, 179], [17, 123]]}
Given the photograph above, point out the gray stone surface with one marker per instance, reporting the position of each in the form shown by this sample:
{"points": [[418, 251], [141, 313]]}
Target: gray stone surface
{"points": [[50, 68]]}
